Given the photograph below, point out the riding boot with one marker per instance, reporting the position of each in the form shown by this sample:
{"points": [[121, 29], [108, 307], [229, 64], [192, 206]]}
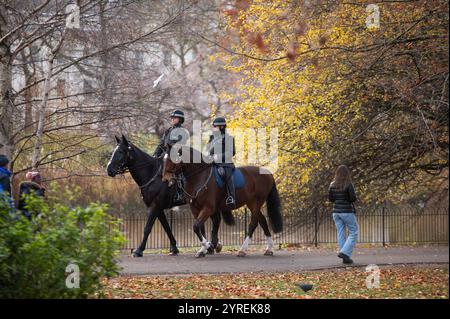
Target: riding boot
{"points": [[178, 198]]}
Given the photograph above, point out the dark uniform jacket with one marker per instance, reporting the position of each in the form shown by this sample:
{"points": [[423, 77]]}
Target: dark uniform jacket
{"points": [[5, 181], [27, 188], [222, 145], [172, 135], [342, 200]]}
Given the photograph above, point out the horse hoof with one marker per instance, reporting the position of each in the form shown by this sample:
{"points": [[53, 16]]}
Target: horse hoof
{"points": [[241, 253], [200, 255], [268, 253], [218, 248], [210, 251], [136, 254], [174, 251]]}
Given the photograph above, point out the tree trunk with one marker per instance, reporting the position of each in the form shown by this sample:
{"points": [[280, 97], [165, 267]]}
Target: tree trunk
{"points": [[105, 75], [41, 114], [28, 95], [6, 105]]}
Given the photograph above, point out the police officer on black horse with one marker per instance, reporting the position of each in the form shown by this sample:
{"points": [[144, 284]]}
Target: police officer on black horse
{"points": [[222, 147], [174, 134]]}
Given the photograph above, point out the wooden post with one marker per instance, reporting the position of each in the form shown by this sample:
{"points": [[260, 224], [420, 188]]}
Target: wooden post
{"points": [[316, 226], [383, 223]]}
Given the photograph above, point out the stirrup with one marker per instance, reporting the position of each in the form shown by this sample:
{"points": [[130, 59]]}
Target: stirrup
{"points": [[230, 200]]}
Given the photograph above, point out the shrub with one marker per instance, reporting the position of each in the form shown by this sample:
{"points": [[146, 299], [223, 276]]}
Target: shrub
{"points": [[34, 255]]}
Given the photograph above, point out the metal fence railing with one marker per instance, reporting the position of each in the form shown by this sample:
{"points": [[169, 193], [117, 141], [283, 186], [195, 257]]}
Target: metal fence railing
{"points": [[381, 225]]}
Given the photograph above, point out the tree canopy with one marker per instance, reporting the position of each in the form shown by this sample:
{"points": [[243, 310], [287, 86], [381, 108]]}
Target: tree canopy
{"points": [[344, 89]]}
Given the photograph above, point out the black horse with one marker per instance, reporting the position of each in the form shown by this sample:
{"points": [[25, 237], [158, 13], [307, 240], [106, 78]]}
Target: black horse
{"points": [[146, 171]]}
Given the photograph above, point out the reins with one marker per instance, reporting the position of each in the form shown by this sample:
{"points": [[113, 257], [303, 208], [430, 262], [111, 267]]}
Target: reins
{"points": [[127, 169], [197, 192], [123, 169], [152, 179]]}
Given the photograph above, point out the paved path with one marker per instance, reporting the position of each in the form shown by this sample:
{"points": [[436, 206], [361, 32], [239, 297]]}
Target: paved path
{"points": [[282, 261]]}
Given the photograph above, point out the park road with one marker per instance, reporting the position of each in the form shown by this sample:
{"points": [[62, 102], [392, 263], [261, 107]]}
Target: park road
{"points": [[282, 261]]}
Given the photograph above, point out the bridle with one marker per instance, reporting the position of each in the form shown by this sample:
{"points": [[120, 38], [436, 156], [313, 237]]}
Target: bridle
{"points": [[179, 177], [124, 168]]}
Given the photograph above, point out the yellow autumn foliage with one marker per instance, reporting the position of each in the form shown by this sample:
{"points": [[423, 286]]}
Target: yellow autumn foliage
{"points": [[297, 67]]}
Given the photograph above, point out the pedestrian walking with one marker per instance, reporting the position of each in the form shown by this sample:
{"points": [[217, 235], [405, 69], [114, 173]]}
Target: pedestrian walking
{"points": [[342, 193]]}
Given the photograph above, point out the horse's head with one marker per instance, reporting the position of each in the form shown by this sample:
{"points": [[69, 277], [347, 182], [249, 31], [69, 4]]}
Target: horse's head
{"points": [[172, 164], [120, 158], [169, 169], [180, 159]]}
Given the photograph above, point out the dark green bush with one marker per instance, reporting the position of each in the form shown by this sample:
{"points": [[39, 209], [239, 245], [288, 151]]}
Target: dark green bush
{"points": [[34, 255]]}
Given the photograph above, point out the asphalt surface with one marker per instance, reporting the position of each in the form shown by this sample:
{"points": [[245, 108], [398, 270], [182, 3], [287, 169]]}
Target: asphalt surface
{"points": [[281, 261]]}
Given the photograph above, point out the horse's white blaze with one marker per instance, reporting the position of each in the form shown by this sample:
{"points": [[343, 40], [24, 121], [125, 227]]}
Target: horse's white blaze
{"points": [[244, 246], [269, 243], [112, 155]]}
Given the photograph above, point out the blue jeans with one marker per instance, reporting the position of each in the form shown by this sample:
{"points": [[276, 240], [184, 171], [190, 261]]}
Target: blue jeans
{"points": [[348, 220]]}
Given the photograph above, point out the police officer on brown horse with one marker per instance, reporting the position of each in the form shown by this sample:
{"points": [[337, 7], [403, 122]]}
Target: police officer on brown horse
{"points": [[222, 147]]}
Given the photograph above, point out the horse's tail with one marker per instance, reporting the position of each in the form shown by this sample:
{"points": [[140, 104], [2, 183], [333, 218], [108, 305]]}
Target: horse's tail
{"points": [[274, 209], [228, 217]]}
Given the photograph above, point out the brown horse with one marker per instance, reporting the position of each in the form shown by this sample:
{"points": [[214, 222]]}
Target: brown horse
{"points": [[205, 197]]}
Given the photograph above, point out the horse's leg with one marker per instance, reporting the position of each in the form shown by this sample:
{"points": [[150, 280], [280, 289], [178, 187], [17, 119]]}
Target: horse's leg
{"points": [[203, 230], [153, 212], [251, 228], [214, 234], [265, 227], [211, 247], [173, 243], [199, 222]]}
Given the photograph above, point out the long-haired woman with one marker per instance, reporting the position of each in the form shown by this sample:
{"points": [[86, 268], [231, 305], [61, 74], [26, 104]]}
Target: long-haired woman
{"points": [[342, 194]]}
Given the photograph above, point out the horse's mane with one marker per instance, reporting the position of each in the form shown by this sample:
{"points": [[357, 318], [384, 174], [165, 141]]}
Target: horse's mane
{"points": [[141, 152]]}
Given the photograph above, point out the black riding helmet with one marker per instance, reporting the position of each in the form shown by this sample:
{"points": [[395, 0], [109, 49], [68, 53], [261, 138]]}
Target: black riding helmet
{"points": [[179, 114], [219, 121]]}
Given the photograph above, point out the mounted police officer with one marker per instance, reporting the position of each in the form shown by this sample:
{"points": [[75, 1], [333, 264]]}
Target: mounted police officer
{"points": [[222, 147], [174, 134]]}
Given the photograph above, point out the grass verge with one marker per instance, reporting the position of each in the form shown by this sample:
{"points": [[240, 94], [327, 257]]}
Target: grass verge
{"points": [[400, 281]]}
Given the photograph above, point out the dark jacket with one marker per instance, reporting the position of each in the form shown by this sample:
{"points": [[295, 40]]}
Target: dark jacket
{"points": [[5, 181], [171, 138], [222, 144], [27, 188], [342, 200]]}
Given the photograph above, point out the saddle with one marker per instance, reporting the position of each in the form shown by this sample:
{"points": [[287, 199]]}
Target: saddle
{"points": [[237, 178]]}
